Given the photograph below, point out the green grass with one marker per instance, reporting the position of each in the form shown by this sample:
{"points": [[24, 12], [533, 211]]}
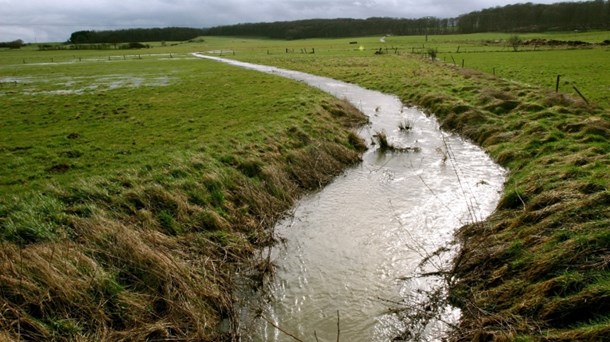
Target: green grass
{"points": [[584, 68], [64, 122], [219, 152], [536, 269], [134, 188], [577, 68]]}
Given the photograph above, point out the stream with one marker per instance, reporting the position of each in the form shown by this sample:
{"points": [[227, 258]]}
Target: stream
{"points": [[352, 250]]}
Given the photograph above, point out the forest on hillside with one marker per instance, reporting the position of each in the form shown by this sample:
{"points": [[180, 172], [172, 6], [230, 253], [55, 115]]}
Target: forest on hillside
{"points": [[527, 17]]}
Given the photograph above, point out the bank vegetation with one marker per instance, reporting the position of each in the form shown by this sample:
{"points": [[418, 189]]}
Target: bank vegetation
{"points": [[538, 269], [129, 212]]}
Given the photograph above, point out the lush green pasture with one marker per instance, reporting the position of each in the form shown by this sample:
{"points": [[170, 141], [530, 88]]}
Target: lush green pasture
{"points": [[580, 68], [585, 68], [60, 122], [538, 65], [134, 187]]}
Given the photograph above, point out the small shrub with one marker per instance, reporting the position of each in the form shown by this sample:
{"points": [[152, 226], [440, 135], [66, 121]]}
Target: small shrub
{"points": [[515, 42], [432, 53]]}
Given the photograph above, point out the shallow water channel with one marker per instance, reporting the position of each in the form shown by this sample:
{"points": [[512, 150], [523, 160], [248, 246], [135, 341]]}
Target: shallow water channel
{"points": [[350, 247]]}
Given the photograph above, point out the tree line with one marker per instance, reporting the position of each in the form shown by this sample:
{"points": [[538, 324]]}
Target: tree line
{"points": [[342, 27], [564, 16], [528, 17], [135, 35], [15, 44]]}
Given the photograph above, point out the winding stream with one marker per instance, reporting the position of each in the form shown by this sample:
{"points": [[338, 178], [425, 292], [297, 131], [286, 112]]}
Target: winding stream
{"points": [[348, 246]]}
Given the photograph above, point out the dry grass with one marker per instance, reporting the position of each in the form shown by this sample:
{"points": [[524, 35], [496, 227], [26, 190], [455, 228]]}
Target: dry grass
{"points": [[154, 256]]}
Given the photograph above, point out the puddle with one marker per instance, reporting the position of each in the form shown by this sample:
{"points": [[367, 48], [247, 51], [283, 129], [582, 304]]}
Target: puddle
{"points": [[63, 85]]}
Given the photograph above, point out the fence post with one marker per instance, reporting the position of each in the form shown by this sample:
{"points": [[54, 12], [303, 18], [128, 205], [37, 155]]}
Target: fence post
{"points": [[581, 95], [557, 83]]}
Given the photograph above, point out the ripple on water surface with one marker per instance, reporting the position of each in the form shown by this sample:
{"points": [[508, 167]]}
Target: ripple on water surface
{"points": [[347, 247]]}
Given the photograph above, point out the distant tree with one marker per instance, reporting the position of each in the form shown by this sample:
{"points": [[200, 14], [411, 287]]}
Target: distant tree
{"points": [[529, 17], [135, 35], [82, 37], [515, 42], [15, 44], [135, 45]]}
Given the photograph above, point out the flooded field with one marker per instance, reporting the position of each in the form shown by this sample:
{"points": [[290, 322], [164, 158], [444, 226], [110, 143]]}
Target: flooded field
{"points": [[30, 85]]}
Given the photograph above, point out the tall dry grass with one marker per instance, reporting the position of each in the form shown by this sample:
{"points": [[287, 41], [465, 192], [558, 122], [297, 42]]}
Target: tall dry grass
{"points": [[155, 256]]}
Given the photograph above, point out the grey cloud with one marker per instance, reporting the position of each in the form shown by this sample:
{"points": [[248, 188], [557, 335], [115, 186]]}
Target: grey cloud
{"points": [[42, 20]]}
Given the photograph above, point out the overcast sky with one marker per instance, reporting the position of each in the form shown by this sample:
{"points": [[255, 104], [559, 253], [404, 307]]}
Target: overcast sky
{"points": [[36, 21]]}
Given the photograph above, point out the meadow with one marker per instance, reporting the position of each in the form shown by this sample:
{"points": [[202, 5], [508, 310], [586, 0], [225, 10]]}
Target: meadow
{"points": [[134, 188], [531, 65], [138, 182]]}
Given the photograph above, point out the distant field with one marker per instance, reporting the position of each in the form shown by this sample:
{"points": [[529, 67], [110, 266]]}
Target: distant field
{"points": [[538, 65], [584, 67]]}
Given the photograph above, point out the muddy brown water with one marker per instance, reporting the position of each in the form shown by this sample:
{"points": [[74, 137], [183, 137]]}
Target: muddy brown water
{"points": [[350, 247]]}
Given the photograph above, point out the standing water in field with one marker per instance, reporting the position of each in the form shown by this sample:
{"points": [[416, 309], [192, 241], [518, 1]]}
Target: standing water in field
{"points": [[352, 250]]}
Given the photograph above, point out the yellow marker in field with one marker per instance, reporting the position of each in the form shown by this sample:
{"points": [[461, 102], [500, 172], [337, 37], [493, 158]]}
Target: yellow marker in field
{"points": [[361, 48]]}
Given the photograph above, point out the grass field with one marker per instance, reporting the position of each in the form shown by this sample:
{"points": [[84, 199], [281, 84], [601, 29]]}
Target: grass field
{"points": [[584, 68], [67, 121], [137, 183], [133, 188]]}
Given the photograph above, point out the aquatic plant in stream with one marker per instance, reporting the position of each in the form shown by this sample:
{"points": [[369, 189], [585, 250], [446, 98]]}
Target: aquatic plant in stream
{"points": [[405, 125], [384, 145]]}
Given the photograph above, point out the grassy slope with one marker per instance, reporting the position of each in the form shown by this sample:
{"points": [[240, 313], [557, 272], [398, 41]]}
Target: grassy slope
{"points": [[538, 268], [126, 210]]}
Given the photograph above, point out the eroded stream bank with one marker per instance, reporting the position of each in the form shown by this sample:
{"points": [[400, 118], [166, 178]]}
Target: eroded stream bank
{"points": [[347, 246]]}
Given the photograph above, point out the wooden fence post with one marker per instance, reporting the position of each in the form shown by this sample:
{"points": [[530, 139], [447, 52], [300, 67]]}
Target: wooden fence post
{"points": [[581, 95]]}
